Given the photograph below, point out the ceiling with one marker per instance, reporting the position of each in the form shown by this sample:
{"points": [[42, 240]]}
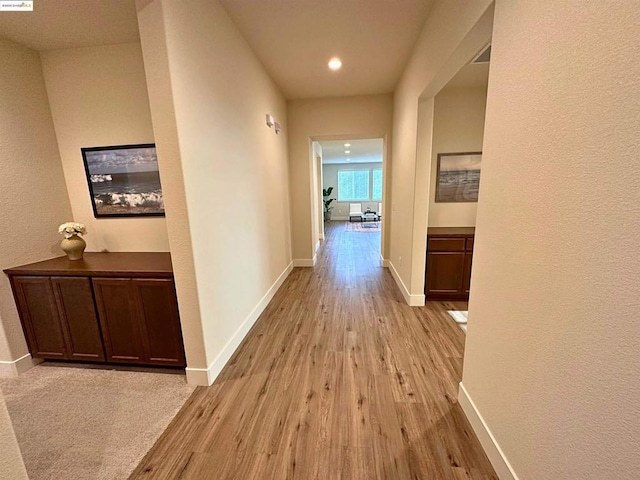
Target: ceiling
{"points": [[56, 24], [361, 151], [294, 39], [472, 75]]}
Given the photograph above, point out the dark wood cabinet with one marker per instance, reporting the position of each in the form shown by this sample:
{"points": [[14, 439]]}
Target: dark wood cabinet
{"points": [[448, 265], [119, 320], [445, 272], [74, 299], [159, 321], [139, 319], [40, 321], [466, 274], [113, 307], [58, 317]]}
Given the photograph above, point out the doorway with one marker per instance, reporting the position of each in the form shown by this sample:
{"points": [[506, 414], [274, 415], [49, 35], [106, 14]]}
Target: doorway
{"points": [[352, 188], [456, 161]]}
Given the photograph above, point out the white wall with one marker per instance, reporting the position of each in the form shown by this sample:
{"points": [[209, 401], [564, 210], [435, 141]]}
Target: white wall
{"points": [[451, 29], [341, 118], [319, 182], [209, 95], [330, 178], [98, 97], [552, 357], [33, 194], [458, 126], [316, 183]]}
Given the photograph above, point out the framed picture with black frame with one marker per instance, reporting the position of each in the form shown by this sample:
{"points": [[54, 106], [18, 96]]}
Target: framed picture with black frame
{"points": [[458, 177], [124, 181]]}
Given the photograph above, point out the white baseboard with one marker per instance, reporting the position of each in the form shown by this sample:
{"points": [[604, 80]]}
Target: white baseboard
{"points": [[412, 300], [339, 218], [384, 262], [199, 376], [317, 246], [501, 465], [202, 376], [18, 366], [305, 262]]}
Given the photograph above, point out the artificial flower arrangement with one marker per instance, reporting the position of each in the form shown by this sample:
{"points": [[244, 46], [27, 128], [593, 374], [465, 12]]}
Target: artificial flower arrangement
{"points": [[70, 229]]}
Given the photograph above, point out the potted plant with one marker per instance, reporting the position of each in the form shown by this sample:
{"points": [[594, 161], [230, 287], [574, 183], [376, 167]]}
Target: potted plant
{"points": [[326, 192]]}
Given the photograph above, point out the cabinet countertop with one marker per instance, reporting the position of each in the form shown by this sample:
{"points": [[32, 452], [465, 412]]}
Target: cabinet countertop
{"points": [[99, 264], [451, 231]]}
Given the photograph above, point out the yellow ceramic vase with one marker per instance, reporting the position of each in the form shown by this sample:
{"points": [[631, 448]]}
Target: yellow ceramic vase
{"points": [[74, 247]]}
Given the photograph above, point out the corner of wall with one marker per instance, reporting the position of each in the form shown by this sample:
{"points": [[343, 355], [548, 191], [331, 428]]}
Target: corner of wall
{"points": [[206, 376], [413, 300], [496, 456], [17, 367]]}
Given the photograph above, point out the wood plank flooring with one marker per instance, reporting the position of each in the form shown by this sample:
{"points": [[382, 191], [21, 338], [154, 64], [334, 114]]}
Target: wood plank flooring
{"points": [[338, 379]]}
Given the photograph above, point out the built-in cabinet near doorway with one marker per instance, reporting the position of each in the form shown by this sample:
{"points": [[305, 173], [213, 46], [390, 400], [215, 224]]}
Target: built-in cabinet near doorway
{"points": [[109, 307], [448, 265]]}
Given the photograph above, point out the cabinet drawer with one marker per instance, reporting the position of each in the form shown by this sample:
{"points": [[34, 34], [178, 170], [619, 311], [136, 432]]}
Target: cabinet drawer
{"points": [[470, 244], [446, 244]]}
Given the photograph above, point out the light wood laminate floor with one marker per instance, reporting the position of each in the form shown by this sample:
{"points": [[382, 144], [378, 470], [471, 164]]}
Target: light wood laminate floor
{"points": [[338, 379]]}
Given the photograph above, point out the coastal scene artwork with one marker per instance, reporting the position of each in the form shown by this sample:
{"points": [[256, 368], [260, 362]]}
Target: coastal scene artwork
{"points": [[124, 180], [458, 177]]}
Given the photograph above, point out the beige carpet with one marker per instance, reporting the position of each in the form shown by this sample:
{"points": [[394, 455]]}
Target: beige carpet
{"points": [[89, 423]]}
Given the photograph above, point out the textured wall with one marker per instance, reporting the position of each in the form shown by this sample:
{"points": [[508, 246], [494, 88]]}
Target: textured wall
{"points": [[98, 97], [444, 31], [552, 351], [33, 194], [154, 45], [234, 198], [329, 118], [458, 126]]}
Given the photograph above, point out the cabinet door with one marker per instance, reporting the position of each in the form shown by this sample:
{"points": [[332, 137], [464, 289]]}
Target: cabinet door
{"points": [[160, 322], [466, 278], [444, 273], [39, 315], [119, 320], [77, 311]]}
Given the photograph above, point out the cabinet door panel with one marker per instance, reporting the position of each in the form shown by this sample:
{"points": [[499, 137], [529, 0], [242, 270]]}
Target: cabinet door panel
{"points": [[160, 324], [444, 273], [466, 282], [77, 311], [39, 315], [118, 319]]}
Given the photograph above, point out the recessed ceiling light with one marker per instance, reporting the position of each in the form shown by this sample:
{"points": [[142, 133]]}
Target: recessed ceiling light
{"points": [[335, 63], [347, 144], [347, 151]]}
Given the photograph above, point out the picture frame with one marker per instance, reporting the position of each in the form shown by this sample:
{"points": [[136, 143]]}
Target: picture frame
{"points": [[458, 177], [124, 181]]}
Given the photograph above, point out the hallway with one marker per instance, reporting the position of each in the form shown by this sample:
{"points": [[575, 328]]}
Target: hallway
{"points": [[339, 378]]}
